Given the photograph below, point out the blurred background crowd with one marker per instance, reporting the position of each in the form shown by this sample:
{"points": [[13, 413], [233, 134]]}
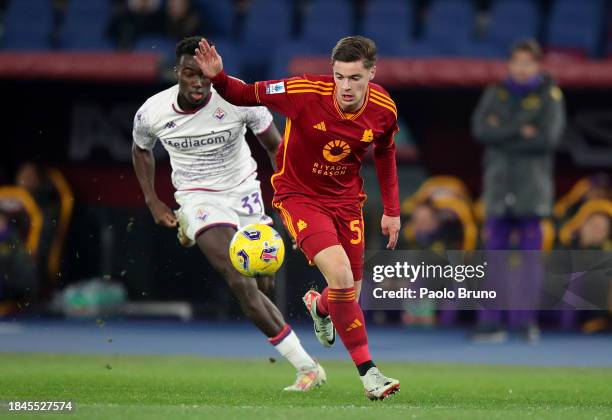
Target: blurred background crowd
{"points": [[513, 159], [261, 35]]}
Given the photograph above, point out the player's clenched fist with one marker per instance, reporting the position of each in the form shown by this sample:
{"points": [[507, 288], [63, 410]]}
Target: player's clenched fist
{"points": [[208, 59], [390, 227], [162, 214]]}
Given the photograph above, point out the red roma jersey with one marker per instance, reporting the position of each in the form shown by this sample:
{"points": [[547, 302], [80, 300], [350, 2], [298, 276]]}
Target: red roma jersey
{"points": [[323, 147]]}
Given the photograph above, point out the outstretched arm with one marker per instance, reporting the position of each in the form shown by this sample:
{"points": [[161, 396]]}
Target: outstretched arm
{"points": [[233, 90], [272, 93]]}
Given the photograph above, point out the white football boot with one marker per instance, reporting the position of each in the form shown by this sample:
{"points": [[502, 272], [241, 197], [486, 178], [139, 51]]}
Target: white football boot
{"points": [[308, 378], [378, 386], [323, 327]]}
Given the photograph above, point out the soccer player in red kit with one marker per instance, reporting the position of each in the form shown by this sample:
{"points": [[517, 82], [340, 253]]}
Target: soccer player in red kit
{"points": [[331, 123]]}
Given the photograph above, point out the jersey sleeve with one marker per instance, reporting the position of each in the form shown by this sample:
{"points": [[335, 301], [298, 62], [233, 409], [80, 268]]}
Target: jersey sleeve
{"points": [[141, 132], [386, 170], [257, 118], [271, 93]]}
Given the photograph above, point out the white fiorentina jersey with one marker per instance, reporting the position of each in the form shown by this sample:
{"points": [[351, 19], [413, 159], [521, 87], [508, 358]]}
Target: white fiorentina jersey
{"points": [[207, 147]]}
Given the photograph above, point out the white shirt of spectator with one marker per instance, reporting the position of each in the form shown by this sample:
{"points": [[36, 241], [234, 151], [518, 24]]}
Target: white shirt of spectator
{"points": [[207, 147]]}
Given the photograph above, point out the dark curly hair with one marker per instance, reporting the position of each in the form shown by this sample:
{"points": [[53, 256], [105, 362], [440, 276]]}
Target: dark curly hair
{"points": [[187, 46]]}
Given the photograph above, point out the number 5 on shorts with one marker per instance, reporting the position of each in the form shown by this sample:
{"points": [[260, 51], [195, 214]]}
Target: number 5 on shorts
{"points": [[355, 226]]}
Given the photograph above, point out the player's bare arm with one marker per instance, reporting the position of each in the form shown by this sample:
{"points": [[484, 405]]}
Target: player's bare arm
{"points": [[271, 140], [144, 166]]}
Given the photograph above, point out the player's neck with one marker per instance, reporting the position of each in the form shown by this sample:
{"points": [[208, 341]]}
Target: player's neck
{"points": [[350, 109]]}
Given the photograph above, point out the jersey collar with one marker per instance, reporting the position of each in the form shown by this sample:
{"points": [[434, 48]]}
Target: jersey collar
{"points": [[351, 116]]}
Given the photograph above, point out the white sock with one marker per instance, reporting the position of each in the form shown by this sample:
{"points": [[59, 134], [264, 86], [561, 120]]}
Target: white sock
{"points": [[291, 348]]}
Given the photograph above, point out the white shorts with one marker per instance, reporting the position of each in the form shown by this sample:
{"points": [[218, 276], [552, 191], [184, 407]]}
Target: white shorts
{"points": [[237, 207]]}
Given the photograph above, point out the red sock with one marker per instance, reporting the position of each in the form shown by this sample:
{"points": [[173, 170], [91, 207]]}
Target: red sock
{"points": [[347, 317], [322, 303]]}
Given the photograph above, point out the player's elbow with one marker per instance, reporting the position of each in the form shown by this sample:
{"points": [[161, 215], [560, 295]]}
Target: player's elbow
{"points": [[138, 152]]}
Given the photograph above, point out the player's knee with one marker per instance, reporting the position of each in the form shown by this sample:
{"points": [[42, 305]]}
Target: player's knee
{"points": [[340, 277]]}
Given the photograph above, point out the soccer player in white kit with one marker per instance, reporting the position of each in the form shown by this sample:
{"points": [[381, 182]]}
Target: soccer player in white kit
{"points": [[214, 175]]}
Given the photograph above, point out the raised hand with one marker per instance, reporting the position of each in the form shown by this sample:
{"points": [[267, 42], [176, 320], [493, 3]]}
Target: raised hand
{"points": [[208, 59]]}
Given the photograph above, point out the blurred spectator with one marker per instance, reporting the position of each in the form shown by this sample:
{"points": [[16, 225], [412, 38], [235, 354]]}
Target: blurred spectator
{"points": [[520, 121], [595, 232], [34, 179], [182, 19], [590, 229], [425, 222], [434, 225], [424, 230], [441, 222], [130, 19], [594, 187], [59, 9]]}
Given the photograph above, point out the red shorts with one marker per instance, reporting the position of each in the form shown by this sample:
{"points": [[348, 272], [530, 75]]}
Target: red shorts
{"points": [[315, 226]]}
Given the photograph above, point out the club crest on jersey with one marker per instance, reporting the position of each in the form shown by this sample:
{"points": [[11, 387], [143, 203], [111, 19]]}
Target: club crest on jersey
{"points": [[368, 135], [201, 215], [273, 88], [219, 114]]}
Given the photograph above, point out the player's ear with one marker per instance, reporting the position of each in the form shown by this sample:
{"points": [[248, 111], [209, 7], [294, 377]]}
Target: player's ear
{"points": [[372, 72], [175, 72]]}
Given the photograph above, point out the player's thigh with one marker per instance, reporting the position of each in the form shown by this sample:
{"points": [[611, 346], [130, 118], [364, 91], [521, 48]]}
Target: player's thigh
{"points": [[350, 226], [310, 226], [214, 244], [201, 211]]}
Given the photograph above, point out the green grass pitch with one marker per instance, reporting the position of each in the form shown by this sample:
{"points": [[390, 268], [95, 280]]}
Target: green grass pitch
{"points": [[164, 387]]}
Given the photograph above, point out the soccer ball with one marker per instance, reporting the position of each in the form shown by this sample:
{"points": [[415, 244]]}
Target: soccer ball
{"points": [[257, 250]]}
